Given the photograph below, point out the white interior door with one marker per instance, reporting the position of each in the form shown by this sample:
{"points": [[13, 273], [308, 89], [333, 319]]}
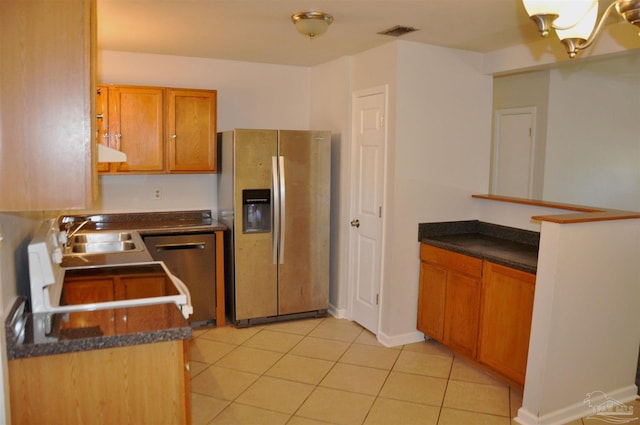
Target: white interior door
{"points": [[368, 159], [513, 152]]}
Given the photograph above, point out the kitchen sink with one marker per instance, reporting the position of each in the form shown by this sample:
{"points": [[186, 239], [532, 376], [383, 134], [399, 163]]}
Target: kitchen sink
{"points": [[100, 237], [102, 247], [103, 242]]}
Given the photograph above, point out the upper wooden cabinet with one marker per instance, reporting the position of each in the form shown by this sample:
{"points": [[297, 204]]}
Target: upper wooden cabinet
{"points": [[135, 128], [191, 130], [161, 130], [47, 103], [102, 121]]}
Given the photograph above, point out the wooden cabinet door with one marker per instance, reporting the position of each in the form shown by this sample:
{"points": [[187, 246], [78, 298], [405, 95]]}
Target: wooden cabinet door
{"points": [[505, 320], [137, 286], [140, 286], [191, 130], [102, 121], [449, 298], [86, 291], [462, 313], [46, 82], [431, 300], [135, 128]]}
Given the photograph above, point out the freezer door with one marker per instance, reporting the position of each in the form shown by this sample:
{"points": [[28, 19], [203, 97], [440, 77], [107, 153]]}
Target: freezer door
{"points": [[255, 272], [304, 266]]}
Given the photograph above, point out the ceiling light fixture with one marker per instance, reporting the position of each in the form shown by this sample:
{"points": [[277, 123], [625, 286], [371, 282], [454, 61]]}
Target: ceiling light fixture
{"points": [[575, 20], [311, 24]]}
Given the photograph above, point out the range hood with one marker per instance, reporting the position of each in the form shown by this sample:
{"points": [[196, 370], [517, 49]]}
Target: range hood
{"points": [[106, 154]]}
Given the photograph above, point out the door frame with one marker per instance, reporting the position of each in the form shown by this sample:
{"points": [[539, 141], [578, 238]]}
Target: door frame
{"points": [[495, 151], [382, 89]]}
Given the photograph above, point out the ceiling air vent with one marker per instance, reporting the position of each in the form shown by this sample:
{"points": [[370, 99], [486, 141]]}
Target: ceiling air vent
{"points": [[397, 31]]}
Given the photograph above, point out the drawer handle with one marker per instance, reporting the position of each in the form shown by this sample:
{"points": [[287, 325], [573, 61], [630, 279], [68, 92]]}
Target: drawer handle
{"points": [[177, 246]]}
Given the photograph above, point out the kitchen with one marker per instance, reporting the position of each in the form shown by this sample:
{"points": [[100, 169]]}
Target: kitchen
{"points": [[247, 92]]}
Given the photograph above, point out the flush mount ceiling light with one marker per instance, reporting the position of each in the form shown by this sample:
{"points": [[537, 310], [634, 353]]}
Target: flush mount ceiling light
{"points": [[575, 20], [311, 24]]}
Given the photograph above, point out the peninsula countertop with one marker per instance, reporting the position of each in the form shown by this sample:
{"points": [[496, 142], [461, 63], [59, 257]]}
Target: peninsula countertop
{"points": [[41, 334], [511, 247]]}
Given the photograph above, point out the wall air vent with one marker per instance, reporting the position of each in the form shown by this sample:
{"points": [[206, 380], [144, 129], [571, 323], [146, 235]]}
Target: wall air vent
{"points": [[398, 30]]}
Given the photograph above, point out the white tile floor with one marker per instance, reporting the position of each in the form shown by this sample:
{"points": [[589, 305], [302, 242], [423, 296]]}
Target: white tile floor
{"points": [[330, 371]]}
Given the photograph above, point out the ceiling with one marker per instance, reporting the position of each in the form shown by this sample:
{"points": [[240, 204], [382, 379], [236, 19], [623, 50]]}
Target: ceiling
{"points": [[262, 31]]}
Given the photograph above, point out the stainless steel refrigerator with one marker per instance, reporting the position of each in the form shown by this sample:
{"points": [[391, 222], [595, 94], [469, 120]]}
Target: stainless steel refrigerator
{"points": [[274, 196]]}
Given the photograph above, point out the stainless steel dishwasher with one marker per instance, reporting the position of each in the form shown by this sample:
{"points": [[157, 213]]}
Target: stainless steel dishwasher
{"points": [[191, 257]]}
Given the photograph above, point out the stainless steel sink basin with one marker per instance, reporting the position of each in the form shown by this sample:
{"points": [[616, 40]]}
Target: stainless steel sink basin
{"points": [[102, 247], [96, 237], [103, 242]]}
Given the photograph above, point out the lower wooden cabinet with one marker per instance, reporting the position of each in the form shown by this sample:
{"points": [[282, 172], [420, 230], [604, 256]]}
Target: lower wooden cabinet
{"points": [[478, 309], [449, 302], [91, 289], [138, 384], [505, 320]]}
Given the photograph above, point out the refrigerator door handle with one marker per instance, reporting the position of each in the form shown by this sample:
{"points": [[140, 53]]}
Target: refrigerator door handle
{"points": [[283, 210], [275, 210]]}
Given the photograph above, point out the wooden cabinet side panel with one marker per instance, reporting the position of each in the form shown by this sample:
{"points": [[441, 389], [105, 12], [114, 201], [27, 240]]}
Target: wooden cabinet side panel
{"points": [[431, 300], [191, 130], [462, 313], [505, 321], [102, 120], [141, 384], [46, 130]]}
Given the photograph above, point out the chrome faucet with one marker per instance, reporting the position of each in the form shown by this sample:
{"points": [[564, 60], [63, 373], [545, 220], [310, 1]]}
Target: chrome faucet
{"points": [[70, 233]]}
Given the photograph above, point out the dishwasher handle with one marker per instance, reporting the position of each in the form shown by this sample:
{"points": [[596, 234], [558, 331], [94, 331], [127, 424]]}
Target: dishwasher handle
{"points": [[180, 246]]}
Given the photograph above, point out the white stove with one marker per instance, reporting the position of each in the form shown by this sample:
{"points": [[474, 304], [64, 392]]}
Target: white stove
{"points": [[47, 277]]}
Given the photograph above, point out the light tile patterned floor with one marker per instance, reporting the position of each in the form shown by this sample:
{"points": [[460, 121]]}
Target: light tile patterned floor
{"points": [[330, 371]]}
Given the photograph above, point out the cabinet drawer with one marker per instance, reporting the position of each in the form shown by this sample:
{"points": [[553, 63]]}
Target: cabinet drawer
{"points": [[461, 263]]}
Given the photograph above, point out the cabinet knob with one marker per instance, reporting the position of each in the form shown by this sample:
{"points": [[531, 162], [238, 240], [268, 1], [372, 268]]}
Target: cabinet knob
{"points": [[118, 135], [174, 136], [355, 223], [105, 135]]}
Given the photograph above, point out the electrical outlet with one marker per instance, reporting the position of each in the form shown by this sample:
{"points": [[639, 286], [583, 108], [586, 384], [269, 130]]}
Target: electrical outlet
{"points": [[157, 194]]}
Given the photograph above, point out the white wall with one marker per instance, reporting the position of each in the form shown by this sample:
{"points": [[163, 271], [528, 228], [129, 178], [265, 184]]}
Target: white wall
{"points": [[250, 95], [593, 137], [438, 155], [441, 158], [584, 332], [525, 90], [330, 109]]}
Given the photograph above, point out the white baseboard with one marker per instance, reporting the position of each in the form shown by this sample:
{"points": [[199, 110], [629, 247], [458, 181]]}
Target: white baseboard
{"points": [[338, 313], [577, 410], [396, 340]]}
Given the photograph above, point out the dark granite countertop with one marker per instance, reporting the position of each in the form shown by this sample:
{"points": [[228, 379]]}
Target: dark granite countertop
{"points": [[27, 336], [165, 222], [503, 245], [145, 224]]}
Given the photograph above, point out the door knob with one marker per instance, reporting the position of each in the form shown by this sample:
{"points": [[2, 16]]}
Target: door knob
{"points": [[355, 223]]}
